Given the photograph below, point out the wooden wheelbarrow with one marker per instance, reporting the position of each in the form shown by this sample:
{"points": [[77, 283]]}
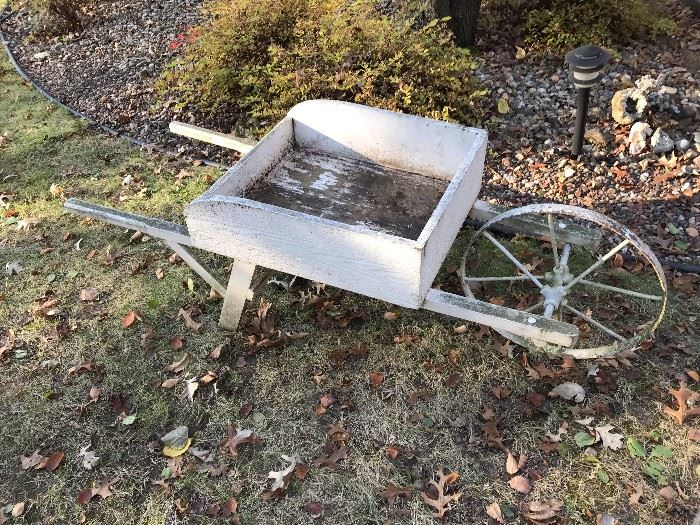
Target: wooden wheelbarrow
{"points": [[362, 199]]}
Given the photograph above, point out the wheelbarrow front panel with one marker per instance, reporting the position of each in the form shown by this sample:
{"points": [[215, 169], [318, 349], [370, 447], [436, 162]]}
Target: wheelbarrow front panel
{"points": [[359, 198]]}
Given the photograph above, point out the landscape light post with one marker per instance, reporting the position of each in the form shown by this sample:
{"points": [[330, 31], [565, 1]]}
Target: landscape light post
{"points": [[586, 64]]}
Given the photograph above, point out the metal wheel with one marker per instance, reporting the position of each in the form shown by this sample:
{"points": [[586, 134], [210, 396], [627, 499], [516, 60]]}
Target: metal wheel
{"points": [[570, 264]]}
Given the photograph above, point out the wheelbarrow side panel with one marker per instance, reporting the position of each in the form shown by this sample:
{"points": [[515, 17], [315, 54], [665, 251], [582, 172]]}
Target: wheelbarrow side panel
{"points": [[365, 262], [452, 210]]}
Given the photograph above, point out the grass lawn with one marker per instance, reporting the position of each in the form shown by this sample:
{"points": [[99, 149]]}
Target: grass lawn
{"points": [[71, 373]]}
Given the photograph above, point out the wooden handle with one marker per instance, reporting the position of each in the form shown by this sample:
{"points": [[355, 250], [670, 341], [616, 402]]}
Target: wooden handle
{"points": [[243, 146]]}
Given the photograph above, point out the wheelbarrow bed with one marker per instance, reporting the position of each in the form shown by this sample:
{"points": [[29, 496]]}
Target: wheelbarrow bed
{"points": [[358, 198]]}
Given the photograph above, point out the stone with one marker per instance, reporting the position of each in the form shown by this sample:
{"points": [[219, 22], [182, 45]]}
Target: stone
{"points": [[628, 106], [638, 137], [661, 142], [41, 56], [696, 137], [683, 145], [595, 136]]}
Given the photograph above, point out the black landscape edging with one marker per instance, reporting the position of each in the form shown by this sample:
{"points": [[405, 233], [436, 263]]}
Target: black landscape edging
{"points": [[105, 129]]}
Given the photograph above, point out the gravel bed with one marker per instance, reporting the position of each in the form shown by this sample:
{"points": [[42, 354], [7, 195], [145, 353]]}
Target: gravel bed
{"points": [[108, 72]]}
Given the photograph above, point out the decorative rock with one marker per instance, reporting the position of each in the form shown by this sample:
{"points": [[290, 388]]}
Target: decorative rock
{"points": [[683, 145], [41, 56], [628, 106], [696, 137], [595, 136], [638, 137], [661, 142]]}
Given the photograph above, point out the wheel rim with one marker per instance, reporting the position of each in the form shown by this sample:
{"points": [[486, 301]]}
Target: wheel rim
{"points": [[558, 287]]}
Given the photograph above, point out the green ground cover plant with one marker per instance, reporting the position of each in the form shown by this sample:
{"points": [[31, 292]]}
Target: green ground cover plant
{"points": [[256, 59], [558, 26], [414, 391]]}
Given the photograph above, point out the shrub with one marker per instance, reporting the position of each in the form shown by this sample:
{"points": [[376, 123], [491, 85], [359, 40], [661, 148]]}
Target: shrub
{"points": [[257, 58], [59, 16], [560, 25]]}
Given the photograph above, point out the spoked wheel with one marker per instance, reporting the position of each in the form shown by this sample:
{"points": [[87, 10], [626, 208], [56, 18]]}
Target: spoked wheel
{"points": [[573, 265]]}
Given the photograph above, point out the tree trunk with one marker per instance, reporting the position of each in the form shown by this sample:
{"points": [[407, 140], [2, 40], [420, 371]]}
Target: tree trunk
{"points": [[464, 16]]}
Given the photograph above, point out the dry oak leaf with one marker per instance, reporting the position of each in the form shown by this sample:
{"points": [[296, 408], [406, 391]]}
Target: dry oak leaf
{"points": [[332, 459], [51, 462], [18, 509], [89, 457], [376, 378], [569, 391], [315, 509], [95, 393], [694, 434], [520, 484], [541, 512], [494, 512], [683, 395], [31, 461], [442, 502], [609, 439], [237, 437], [187, 317], [85, 496], [391, 492], [229, 507]]}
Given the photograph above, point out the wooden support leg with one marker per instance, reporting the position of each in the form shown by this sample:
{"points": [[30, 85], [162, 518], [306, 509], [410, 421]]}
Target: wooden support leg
{"points": [[236, 294]]}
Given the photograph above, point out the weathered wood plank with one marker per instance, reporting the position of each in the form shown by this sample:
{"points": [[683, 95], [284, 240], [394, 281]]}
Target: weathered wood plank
{"points": [[239, 144], [525, 324], [165, 230], [237, 292], [534, 226], [200, 267]]}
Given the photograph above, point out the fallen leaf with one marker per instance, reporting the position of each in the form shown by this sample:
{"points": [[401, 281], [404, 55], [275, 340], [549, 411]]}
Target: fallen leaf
{"points": [[53, 461], [246, 409], [635, 493], [391, 316], [18, 509], [95, 393], [89, 458], [569, 391], [31, 461], [668, 493], [176, 442], [301, 471], [521, 484], [191, 386], [461, 329], [503, 106], [230, 507], [332, 459], [606, 519], [315, 509], [453, 380], [175, 342], [500, 392], [609, 439], [494, 512], [179, 365], [694, 434], [189, 322], [513, 466], [519, 55], [442, 501], [216, 353], [376, 378], [170, 383], [237, 437], [392, 492], [129, 319], [89, 294], [281, 478], [103, 491], [683, 395], [542, 512]]}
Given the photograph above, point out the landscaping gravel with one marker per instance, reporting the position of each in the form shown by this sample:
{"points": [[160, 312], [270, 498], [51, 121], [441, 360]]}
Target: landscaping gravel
{"points": [[651, 182]]}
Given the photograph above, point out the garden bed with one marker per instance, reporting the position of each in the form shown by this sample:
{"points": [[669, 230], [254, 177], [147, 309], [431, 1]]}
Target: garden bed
{"points": [[108, 72]]}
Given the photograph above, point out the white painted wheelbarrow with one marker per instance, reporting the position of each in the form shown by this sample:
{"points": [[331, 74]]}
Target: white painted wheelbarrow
{"points": [[371, 201]]}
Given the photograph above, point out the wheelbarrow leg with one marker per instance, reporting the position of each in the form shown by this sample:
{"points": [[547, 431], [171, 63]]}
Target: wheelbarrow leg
{"points": [[237, 292]]}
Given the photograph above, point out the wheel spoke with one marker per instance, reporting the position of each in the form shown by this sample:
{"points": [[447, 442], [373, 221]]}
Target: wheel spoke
{"points": [[534, 306], [597, 264], [595, 323], [621, 290], [512, 258], [553, 239], [489, 279]]}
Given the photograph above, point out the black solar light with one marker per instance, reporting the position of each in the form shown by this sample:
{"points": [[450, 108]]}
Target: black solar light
{"points": [[586, 64]]}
